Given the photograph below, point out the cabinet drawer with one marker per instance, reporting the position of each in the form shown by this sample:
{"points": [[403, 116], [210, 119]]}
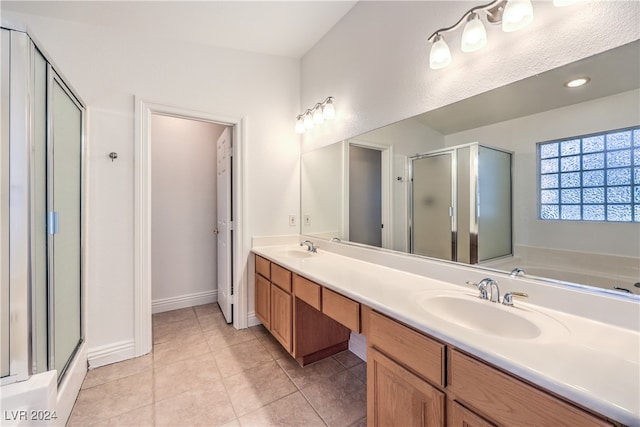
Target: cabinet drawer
{"points": [[341, 309], [263, 267], [507, 400], [281, 277], [414, 350], [307, 291]]}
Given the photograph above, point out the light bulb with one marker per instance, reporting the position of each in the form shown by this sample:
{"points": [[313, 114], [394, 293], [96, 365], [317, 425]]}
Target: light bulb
{"points": [[440, 55], [474, 36], [300, 125], [329, 111], [580, 81], [517, 15], [318, 117], [308, 120]]}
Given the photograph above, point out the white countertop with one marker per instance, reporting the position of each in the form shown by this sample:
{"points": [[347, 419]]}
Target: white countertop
{"points": [[591, 363]]}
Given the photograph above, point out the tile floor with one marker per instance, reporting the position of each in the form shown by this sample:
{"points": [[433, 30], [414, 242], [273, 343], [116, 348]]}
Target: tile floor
{"points": [[204, 372]]}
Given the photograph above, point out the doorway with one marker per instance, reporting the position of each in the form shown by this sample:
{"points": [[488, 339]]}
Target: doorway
{"points": [[368, 209], [238, 248], [185, 258]]}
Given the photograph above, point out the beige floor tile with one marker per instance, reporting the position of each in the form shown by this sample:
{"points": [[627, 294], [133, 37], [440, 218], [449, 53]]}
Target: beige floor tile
{"points": [[176, 378], [137, 418], [111, 399], [116, 371], [179, 349], [166, 317], [201, 406], [206, 309], [240, 357], [302, 377], [292, 410], [270, 343], [256, 387], [347, 359], [210, 322], [227, 336], [341, 399], [360, 423], [360, 371], [175, 330]]}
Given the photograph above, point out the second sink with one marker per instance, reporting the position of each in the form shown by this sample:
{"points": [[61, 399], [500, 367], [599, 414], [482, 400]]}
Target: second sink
{"points": [[470, 312]]}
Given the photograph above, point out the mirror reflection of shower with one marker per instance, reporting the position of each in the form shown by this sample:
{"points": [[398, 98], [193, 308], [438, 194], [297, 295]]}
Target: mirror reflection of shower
{"points": [[460, 204]]}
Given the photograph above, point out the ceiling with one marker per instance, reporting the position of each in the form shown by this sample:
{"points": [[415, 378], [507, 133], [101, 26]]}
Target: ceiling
{"points": [[611, 72], [283, 28]]}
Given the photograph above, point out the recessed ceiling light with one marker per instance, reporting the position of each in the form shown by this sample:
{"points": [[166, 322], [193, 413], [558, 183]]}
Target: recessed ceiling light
{"points": [[581, 81]]}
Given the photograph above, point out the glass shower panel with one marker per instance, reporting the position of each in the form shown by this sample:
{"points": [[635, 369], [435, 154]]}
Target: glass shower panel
{"points": [[494, 204], [4, 203], [39, 206], [65, 150], [431, 216]]}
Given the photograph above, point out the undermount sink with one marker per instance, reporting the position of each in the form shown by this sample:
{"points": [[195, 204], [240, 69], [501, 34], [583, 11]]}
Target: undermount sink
{"points": [[482, 316], [293, 253]]}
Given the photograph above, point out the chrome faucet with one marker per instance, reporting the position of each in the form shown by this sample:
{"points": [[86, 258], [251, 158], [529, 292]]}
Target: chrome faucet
{"points": [[310, 245], [336, 239], [494, 291], [485, 286], [508, 297], [517, 272]]}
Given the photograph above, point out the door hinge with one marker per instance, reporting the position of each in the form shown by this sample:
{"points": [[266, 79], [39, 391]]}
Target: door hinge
{"points": [[230, 225]]}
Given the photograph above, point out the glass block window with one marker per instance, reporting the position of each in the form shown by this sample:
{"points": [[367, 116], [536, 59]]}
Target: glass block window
{"points": [[591, 178]]}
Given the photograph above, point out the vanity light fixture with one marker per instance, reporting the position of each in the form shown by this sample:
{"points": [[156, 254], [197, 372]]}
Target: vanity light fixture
{"points": [[511, 15], [580, 81], [320, 112], [474, 35]]}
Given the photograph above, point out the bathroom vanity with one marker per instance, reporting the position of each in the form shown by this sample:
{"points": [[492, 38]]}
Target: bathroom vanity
{"points": [[426, 365]]}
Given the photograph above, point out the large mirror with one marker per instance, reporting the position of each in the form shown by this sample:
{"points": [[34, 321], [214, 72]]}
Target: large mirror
{"points": [[361, 191]]}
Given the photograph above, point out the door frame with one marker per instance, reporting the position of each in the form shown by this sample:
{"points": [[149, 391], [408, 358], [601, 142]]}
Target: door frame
{"points": [[142, 215]]}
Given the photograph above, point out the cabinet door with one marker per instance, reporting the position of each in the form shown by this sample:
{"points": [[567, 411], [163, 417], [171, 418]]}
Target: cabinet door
{"points": [[396, 397], [281, 316], [263, 301], [459, 416]]}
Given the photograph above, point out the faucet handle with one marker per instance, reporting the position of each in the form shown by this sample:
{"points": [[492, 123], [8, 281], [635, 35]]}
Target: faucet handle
{"points": [[482, 287], [508, 297]]}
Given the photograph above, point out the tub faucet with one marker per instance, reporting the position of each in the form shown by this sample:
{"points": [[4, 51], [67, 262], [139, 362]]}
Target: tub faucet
{"points": [[310, 245], [517, 272]]}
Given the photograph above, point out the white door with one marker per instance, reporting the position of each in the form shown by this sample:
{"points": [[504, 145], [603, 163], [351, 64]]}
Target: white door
{"points": [[224, 226]]}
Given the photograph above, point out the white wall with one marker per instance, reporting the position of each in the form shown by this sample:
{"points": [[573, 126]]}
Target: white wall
{"points": [[521, 136], [375, 61], [183, 199], [108, 68]]}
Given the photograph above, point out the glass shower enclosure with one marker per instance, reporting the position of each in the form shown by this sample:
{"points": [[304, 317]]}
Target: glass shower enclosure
{"points": [[41, 215], [461, 203]]}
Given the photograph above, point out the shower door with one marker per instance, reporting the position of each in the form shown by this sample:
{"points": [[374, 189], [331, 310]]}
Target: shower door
{"points": [[432, 194], [64, 224]]}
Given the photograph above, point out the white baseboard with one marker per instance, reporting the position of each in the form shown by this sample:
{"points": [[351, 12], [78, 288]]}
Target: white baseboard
{"points": [[358, 345], [111, 353], [252, 320], [183, 301]]}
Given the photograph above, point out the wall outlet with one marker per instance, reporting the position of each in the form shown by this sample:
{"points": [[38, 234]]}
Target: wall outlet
{"points": [[307, 219], [292, 220]]}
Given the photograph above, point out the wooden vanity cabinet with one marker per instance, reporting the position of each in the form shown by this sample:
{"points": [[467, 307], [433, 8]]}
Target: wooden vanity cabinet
{"points": [[405, 374], [397, 397], [459, 416], [290, 307], [506, 400]]}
